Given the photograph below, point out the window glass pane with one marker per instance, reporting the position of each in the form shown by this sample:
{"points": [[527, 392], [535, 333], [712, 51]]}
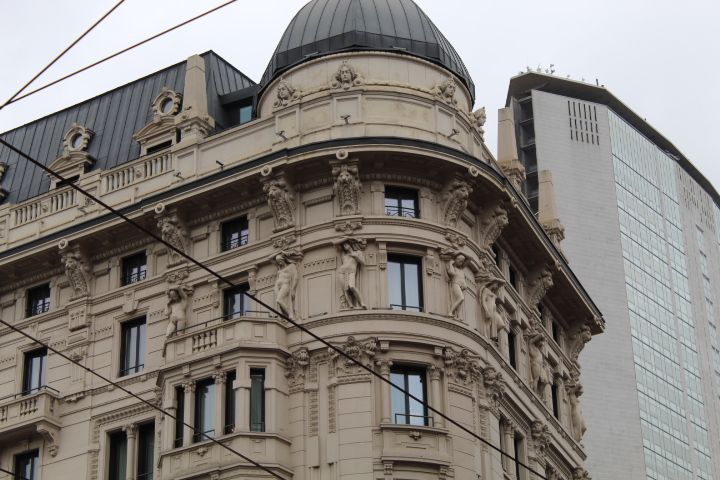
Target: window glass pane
{"points": [[132, 350], [230, 402], [235, 233], [257, 400], [204, 409], [146, 450], [237, 302], [118, 456], [35, 370], [179, 415], [412, 284], [395, 285], [245, 113], [417, 389], [26, 465], [398, 398]]}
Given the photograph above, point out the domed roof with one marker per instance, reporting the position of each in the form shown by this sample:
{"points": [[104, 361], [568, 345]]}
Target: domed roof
{"points": [[323, 27]]}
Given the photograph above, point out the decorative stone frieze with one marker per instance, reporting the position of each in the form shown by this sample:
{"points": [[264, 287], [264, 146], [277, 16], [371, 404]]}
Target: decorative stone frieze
{"points": [[76, 268], [458, 193], [285, 94], [445, 91], [363, 351], [492, 222], [295, 367], [346, 186], [286, 281], [346, 76], [280, 200], [460, 367]]}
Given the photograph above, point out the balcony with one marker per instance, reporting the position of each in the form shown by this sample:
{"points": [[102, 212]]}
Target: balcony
{"points": [[254, 328], [416, 443], [38, 411]]}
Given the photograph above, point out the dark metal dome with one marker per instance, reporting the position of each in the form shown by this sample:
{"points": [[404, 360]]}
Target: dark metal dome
{"points": [[323, 27]]}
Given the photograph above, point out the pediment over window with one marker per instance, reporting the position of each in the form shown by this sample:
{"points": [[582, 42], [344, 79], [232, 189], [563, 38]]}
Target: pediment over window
{"points": [[161, 132], [75, 159]]}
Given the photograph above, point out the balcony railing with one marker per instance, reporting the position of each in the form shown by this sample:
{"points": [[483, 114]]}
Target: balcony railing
{"points": [[408, 419], [135, 172], [402, 212], [48, 204], [25, 409]]}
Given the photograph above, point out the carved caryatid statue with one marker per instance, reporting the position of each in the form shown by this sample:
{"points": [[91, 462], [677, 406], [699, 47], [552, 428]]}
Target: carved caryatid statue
{"points": [[347, 188], [173, 233], [455, 266], [346, 76], [76, 271], [489, 290], [280, 203], [446, 90], [352, 260], [538, 372], [457, 200], [287, 280], [285, 94], [176, 308], [576, 415]]}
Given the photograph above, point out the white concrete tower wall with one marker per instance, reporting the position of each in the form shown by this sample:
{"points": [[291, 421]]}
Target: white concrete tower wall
{"points": [[584, 181]]}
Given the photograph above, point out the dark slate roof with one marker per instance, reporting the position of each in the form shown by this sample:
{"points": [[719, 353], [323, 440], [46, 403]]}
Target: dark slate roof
{"points": [[323, 27], [114, 116]]}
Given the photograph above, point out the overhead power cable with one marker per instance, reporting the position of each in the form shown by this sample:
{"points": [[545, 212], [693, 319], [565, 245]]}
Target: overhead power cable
{"points": [[120, 52], [97, 22], [15, 476], [301, 327]]}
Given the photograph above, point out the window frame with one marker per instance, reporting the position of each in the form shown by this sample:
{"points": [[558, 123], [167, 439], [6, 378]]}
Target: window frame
{"points": [[229, 421], [28, 370], [34, 457], [403, 260], [229, 228], [400, 194], [204, 407], [406, 370], [146, 455], [140, 347], [126, 265], [35, 304], [512, 349], [114, 454], [229, 293], [179, 416], [257, 372]]}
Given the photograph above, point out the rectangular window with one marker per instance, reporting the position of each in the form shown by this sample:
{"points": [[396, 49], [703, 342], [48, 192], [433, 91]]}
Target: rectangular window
{"points": [[401, 202], [132, 348], [257, 399], [234, 233], [146, 451], [235, 302], [245, 113], [35, 370], [555, 400], [406, 410], [118, 456], [405, 283], [38, 300], [519, 454], [511, 350], [513, 278], [555, 331], [179, 415], [230, 402], [26, 465], [204, 409], [134, 268]]}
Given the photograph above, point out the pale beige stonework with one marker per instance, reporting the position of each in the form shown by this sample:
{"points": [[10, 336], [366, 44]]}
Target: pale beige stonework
{"points": [[325, 417]]}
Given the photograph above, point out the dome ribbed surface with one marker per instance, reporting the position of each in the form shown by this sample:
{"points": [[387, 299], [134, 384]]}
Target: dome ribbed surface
{"points": [[323, 27]]}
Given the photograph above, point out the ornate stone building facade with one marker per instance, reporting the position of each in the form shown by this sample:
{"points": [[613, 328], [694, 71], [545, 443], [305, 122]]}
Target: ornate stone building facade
{"points": [[353, 191]]}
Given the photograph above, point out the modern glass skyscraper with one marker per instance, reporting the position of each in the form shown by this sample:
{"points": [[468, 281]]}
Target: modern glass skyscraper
{"points": [[642, 230]]}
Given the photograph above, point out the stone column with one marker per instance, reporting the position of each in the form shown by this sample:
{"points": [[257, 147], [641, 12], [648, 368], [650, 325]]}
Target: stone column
{"points": [[189, 410], [131, 453], [385, 391], [436, 392], [219, 378], [242, 400]]}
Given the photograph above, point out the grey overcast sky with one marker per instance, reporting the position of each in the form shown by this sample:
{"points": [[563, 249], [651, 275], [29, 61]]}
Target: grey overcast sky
{"points": [[660, 57]]}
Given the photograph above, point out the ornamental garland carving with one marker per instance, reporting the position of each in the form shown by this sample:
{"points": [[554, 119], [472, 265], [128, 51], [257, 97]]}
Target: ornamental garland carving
{"points": [[492, 223], [347, 187], [362, 351], [280, 201], [457, 199], [346, 76], [445, 90], [77, 270], [540, 434], [460, 367], [494, 386], [539, 286], [286, 281], [295, 367], [285, 94]]}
